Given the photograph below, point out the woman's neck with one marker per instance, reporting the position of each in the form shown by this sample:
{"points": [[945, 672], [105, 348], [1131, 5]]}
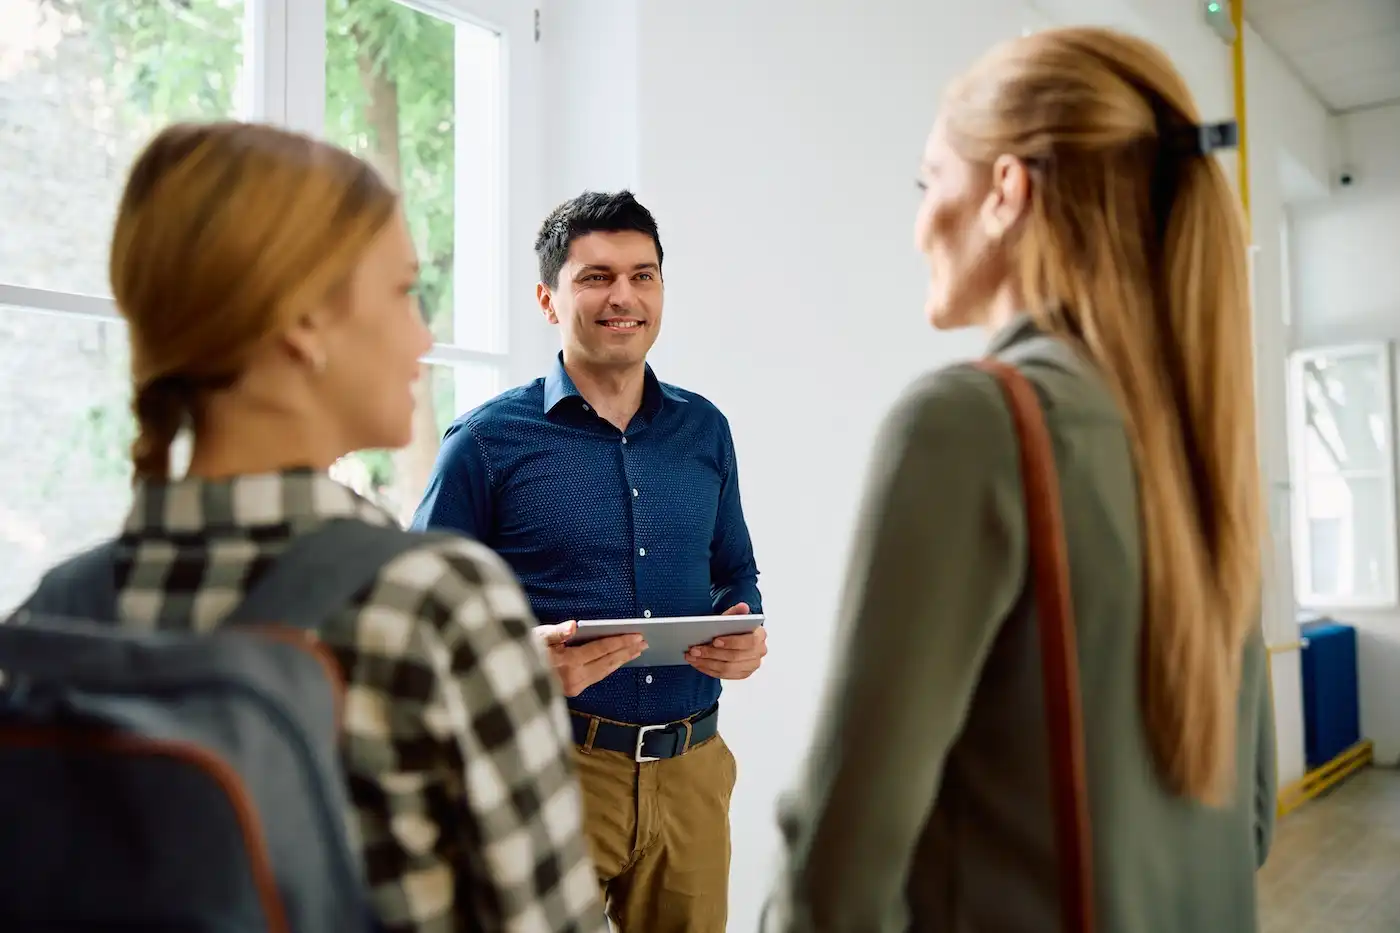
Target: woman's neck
{"points": [[238, 442], [1003, 308]]}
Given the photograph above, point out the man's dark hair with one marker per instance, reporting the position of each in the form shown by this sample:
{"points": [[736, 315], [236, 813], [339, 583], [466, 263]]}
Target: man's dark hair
{"points": [[590, 212]]}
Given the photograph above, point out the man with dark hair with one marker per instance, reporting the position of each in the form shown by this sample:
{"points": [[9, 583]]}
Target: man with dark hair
{"points": [[614, 495]]}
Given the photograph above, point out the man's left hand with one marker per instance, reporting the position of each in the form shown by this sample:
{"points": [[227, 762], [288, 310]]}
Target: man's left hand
{"points": [[731, 657]]}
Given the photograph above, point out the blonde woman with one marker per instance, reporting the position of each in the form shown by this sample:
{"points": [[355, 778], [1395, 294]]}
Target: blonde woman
{"points": [[1072, 209], [268, 284]]}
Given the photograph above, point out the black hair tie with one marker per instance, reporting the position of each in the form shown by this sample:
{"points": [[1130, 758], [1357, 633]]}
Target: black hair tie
{"points": [[1205, 138]]}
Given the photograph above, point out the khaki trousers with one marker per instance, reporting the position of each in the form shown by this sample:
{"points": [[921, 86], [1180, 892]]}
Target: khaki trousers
{"points": [[659, 831]]}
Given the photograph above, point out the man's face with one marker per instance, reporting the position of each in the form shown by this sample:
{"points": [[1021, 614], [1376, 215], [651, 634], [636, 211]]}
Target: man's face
{"points": [[608, 300]]}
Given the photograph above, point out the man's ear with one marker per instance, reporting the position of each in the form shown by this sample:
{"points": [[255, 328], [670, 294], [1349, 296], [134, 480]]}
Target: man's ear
{"points": [[545, 296], [1009, 198]]}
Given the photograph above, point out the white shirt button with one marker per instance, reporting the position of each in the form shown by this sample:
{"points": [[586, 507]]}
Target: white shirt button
{"points": [[635, 494], [646, 613], [624, 440], [641, 552], [585, 407], [648, 678]]}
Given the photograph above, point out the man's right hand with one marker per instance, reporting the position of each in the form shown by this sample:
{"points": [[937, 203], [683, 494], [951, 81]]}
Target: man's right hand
{"points": [[581, 666]]}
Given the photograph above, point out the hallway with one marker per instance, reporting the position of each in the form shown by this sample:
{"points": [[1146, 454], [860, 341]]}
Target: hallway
{"points": [[1335, 865]]}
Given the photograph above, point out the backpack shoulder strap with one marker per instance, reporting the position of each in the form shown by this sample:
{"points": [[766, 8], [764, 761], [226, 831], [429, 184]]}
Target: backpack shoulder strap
{"points": [[82, 587], [322, 571]]}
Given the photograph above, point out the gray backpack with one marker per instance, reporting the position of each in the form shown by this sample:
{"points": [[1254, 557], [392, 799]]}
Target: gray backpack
{"points": [[180, 781]]}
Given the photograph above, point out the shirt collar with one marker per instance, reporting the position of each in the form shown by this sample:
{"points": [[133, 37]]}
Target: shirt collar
{"points": [[1019, 329], [290, 502], [558, 386]]}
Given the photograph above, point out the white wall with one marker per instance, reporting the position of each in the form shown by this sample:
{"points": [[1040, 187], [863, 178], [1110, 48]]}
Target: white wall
{"points": [[1346, 289], [589, 117], [777, 143], [1347, 280], [779, 146]]}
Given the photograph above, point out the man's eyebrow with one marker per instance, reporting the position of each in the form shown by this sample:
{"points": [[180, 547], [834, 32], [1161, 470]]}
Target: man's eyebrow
{"points": [[604, 267]]}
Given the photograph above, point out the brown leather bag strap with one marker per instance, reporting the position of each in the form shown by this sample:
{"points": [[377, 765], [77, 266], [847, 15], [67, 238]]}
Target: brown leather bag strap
{"points": [[1059, 657]]}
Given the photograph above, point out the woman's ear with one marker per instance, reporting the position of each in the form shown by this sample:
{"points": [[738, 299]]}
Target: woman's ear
{"points": [[1008, 200], [305, 342]]}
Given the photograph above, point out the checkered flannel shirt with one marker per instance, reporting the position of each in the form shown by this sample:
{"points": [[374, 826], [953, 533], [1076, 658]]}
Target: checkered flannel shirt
{"points": [[456, 741]]}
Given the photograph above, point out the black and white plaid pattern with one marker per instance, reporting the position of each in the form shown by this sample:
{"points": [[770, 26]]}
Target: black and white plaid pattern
{"points": [[456, 745]]}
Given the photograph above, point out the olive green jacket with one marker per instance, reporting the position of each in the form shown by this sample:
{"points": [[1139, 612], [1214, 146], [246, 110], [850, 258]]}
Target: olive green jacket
{"points": [[924, 802]]}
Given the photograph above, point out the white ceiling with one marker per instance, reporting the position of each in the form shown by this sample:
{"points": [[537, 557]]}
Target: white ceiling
{"points": [[1346, 51]]}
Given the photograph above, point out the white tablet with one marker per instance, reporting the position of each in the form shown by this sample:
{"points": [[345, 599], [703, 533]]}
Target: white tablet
{"points": [[667, 639]]}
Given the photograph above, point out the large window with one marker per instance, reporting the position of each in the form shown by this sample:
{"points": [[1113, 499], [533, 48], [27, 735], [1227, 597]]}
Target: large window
{"points": [[417, 88], [1343, 436]]}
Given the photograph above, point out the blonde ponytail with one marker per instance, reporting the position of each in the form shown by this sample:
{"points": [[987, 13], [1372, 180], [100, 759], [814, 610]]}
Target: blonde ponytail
{"points": [[1203, 579]]}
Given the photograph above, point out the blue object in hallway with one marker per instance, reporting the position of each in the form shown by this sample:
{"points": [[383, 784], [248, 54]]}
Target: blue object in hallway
{"points": [[1331, 705]]}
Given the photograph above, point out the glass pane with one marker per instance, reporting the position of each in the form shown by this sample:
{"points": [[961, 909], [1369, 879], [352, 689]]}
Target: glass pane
{"points": [[396, 479], [83, 85], [1345, 406], [1349, 556], [420, 98], [65, 431]]}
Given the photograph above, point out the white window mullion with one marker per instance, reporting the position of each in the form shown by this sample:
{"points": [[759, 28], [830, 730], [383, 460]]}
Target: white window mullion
{"points": [[56, 302], [523, 190], [286, 43], [306, 66], [448, 354], [265, 53], [479, 146]]}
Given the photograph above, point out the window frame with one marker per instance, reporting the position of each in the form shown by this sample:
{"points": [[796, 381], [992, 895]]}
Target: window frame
{"points": [[288, 89], [1308, 598]]}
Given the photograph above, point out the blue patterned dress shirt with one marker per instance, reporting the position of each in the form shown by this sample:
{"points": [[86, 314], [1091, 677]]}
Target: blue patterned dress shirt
{"points": [[600, 523]]}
